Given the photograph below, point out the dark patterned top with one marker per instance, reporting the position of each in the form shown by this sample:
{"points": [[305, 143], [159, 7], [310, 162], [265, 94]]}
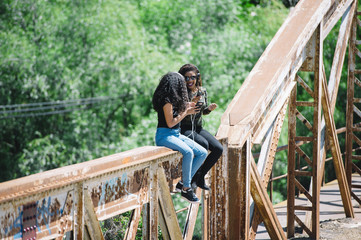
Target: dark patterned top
{"points": [[197, 118]]}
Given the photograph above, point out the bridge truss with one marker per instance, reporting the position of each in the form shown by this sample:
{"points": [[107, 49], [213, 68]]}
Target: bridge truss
{"points": [[70, 201], [257, 111]]}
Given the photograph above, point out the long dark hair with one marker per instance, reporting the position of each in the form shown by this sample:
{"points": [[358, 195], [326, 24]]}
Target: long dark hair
{"points": [[171, 89], [191, 67]]}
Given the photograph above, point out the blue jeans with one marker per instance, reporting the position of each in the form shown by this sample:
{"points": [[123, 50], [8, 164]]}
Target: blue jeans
{"points": [[193, 153]]}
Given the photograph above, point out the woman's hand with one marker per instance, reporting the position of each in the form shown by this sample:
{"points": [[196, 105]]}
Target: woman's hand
{"points": [[168, 113], [191, 108], [196, 99], [212, 106]]}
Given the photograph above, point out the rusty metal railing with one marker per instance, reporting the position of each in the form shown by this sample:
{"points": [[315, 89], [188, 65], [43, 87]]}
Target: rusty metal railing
{"points": [[74, 198]]}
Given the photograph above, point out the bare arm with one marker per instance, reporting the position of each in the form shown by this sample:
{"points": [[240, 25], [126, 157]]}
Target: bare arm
{"points": [[168, 114]]}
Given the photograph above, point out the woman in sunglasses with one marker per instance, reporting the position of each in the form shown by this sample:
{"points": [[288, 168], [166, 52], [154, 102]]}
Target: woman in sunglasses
{"points": [[170, 100], [191, 125]]}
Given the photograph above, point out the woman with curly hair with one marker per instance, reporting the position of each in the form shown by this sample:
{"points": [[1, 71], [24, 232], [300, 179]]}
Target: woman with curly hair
{"points": [[192, 125], [170, 100]]}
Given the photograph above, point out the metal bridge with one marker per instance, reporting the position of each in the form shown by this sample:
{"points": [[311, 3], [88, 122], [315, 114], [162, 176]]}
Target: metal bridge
{"points": [[69, 202]]}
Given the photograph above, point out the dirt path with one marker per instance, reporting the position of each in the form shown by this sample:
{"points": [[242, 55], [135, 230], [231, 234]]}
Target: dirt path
{"points": [[337, 229]]}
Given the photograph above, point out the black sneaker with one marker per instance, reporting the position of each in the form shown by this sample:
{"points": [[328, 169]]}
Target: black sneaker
{"points": [[190, 196], [198, 181], [179, 186], [202, 184]]}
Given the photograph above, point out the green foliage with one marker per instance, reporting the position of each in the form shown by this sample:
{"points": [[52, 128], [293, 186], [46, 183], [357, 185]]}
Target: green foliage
{"points": [[61, 50], [115, 228]]}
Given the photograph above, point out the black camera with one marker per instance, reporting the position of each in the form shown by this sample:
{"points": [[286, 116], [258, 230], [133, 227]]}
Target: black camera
{"points": [[199, 104]]}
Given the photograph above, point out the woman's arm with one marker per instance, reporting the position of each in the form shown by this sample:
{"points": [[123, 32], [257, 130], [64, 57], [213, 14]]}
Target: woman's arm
{"points": [[210, 107], [168, 114]]}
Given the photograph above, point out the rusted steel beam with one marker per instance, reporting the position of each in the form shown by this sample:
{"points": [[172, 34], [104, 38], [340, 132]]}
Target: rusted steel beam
{"points": [[153, 202], [304, 226], [340, 52], [239, 192], [120, 191], [281, 59], [357, 140], [302, 154], [209, 205], [54, 214], [261, 127], [126, 184], [60, 177], [304, 120], [358, 113], [191, 218], [79, 212], [303, 190], [291, 164], [216, 201], [303, 139], [304, 85], [335, 12], [162, 224], [334, 81], [336, 152], [264, 205], [316, 131], [167, 207], [132, 228], [245, 160], [304, 104], [335, 74], [91, 220], [145, 221], [266, 169], [351, 80], [315, 51]]}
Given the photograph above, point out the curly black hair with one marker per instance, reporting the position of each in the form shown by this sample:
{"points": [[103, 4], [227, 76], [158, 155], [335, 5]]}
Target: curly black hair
{"points": [[191, 67], [171, 89]]}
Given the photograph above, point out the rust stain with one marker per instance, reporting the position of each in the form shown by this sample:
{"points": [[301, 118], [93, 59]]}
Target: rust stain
{"points": [[120, 190], [8, 223], [95, 195], [172, 170], [176, 170], [168, 173], [55, 210], [68, 204], [126, 160], [120, 187], [65, 223]]}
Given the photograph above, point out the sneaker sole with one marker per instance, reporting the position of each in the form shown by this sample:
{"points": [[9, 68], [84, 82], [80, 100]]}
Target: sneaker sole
{"points": [[196, 202], [177, 190]]}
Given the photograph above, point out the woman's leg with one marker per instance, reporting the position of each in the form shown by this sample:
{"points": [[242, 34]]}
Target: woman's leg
{"points": [[200, 153], [215, 148], [197, 138], [172, 139]]}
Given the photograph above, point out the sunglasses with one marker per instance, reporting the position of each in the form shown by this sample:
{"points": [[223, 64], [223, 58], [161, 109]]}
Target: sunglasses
{"points": [[188, 78]]}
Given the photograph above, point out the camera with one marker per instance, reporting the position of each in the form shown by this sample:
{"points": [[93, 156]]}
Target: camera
{"points": [[199, 104]]}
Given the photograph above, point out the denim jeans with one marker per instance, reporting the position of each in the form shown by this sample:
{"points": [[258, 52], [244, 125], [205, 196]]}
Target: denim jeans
{"points": [[209, 142], [193, 153]]}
